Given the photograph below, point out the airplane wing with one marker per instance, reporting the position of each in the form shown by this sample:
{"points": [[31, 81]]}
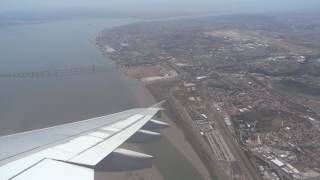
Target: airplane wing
{"points": [[73, 151]]}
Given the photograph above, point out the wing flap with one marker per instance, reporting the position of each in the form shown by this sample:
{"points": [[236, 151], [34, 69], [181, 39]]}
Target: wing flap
{"points": [[100, 134], [18, 144], [94, 155], [69, 147], [52, 170], [13, 168], [78, 144], [125, 160]]}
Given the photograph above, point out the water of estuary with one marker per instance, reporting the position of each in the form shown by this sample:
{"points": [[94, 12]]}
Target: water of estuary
{"points": [[32, 103]]}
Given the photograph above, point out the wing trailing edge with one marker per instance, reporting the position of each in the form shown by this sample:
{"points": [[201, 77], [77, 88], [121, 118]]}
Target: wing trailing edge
{"points": [[75, 150], [155, 124], [143, 136], [125, 160], [49, 169]]}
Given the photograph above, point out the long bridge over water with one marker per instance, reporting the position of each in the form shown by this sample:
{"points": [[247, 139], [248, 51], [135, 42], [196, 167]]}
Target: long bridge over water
{"points": [[90, 69]]}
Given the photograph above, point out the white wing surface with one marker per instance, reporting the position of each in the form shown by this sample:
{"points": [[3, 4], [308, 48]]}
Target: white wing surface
{"points": [[75, 150]]}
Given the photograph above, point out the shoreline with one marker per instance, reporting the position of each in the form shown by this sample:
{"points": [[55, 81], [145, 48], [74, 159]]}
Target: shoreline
{"points": [[174, 134], [173, 137]]}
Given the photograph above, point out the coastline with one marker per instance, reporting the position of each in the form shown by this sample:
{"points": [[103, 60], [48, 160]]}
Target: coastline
{"points": [[172, 137], [174, 134]]}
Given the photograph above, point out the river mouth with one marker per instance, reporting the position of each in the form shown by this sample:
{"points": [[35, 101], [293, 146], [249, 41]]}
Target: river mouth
{"points": [[32, 103]]}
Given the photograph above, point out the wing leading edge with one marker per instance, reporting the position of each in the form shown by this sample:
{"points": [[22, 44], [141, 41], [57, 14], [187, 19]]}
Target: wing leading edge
{"points": [[75, 150]]}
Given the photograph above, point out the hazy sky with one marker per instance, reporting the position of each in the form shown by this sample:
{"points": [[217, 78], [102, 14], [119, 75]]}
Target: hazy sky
{"points": [[160, 5]]}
